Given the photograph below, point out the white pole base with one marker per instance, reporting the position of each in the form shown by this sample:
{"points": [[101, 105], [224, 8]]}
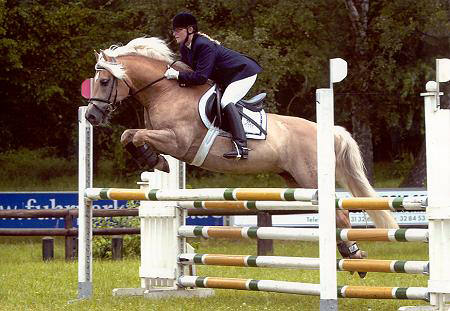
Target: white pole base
{"points": [[84, 290], [328, 304], [163, 293]]}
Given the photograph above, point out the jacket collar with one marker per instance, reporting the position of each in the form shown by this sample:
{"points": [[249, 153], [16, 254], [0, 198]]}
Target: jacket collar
{"points": [[194, 37]]}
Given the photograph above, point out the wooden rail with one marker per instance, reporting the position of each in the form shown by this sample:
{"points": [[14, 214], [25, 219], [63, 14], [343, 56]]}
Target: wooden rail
{"points": [[264, 247]]}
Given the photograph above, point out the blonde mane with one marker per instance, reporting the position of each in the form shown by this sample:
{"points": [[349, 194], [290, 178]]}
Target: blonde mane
{"points": [[153, 47]]}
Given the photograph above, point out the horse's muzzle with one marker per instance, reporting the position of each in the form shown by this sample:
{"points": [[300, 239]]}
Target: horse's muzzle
{"points": [[92, 119], [94, 114]]}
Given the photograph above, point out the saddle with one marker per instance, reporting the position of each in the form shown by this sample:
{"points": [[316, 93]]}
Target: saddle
{"points": [[214, 113], [254, 120]]}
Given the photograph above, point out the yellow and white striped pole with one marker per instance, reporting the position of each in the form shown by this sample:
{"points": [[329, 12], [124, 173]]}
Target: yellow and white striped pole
{"points": [[207, 194], [366, 292], [305, 263], [304, 234]]}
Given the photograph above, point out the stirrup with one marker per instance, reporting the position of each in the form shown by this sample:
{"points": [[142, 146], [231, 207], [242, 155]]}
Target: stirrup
{"points": [[238, 153]]}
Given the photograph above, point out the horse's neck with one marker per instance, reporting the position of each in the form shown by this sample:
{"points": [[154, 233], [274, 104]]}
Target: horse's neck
{"points": [[167, 104], [141, 73], [176, 106]]}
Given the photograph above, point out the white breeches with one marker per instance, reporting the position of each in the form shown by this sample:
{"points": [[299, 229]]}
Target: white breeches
{"points": [[237, 90]]}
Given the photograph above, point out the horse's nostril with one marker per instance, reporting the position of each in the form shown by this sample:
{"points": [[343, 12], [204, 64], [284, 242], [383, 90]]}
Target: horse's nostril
{"points": [[90, 117]]}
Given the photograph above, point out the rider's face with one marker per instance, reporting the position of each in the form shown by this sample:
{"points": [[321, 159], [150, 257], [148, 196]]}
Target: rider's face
{"points": [[180, 34]]}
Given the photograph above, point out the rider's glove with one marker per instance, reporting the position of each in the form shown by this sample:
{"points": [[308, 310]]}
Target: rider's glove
{"points": [[171, 74]]}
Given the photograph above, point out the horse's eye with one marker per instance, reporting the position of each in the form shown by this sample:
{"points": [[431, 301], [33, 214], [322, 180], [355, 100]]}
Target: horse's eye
{"points": [[104, 82]]}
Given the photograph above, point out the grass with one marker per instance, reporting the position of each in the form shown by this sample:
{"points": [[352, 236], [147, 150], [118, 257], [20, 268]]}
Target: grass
{"points": [[28, 283]]}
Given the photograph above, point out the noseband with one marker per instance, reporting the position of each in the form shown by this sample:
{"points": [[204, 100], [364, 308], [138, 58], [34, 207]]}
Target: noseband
{"points": [[112, 106]]}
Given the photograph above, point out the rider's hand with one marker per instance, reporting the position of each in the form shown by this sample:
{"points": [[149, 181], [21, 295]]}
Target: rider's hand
{"points": [[171, 74]]}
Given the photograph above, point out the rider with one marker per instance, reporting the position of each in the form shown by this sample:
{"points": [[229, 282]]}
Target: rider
{"points": [[232, 71]]}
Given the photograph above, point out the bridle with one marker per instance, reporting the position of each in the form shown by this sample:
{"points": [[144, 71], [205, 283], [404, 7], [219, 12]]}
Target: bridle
{"points": [[113, 105]]}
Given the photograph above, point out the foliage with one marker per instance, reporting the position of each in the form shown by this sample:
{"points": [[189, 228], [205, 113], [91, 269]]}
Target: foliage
{"points": [[47, 49], [15, 163], [101, 245], [43, 170], [46, 172]]}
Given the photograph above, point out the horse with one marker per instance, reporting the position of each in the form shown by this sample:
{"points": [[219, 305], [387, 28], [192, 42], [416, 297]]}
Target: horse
{"points": [[173, 127]]}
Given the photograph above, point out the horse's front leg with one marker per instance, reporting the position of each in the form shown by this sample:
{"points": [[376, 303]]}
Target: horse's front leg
{"points": [[348, 249], [144, 156]]}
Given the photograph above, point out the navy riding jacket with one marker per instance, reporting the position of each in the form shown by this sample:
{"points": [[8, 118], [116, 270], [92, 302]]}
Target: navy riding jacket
{"points": [[210, 60]]}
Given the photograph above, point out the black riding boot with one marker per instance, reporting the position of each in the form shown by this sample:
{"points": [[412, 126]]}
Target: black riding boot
{"points": [[237, 131]]}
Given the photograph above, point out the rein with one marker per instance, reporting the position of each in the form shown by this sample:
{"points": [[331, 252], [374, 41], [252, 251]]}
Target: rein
{"points": [[112, 106]]}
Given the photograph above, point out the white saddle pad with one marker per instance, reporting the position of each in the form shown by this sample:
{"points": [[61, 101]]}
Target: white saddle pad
{"points": [[251, 131]]}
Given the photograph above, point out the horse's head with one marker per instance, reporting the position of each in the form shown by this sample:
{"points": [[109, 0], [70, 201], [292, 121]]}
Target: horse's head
{"points": [[110, 82], [109, 89]]}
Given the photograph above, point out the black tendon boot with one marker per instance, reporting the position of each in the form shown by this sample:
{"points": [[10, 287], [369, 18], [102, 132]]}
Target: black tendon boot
{"points": [[238, 133], [350, 251], [143, 156]]}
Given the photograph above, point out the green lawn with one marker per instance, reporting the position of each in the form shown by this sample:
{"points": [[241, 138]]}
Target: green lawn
{"points": [[28, 283]]}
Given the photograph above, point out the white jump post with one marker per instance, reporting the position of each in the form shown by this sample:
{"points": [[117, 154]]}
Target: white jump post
{"points": [[85, 135], [158, 266], [326, 185], [437, 122], [155, 216], [160, 242]]}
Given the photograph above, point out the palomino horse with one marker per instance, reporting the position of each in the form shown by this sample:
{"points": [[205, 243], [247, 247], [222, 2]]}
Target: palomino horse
{"points": [[173, 127]]}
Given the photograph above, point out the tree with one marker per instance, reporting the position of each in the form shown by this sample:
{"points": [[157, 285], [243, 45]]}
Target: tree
{"points": [[394, 58], [47, 48], [358, 12]]}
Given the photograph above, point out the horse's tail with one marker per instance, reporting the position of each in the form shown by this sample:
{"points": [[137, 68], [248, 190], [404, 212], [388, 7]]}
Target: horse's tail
{"points": [[350, 173]]}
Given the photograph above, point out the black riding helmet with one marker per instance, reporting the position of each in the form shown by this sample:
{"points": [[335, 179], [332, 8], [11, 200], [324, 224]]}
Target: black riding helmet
{"points": [[184, 20]]}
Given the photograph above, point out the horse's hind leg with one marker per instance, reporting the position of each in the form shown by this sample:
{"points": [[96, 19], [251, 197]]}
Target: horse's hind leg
{"points": [[144, 157], [347, 249]]}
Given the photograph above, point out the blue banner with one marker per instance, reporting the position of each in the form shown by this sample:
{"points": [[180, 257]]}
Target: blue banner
{"points": [[64, 200]]}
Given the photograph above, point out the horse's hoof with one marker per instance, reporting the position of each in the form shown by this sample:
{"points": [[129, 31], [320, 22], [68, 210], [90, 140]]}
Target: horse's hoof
{"points": [[362, 275], [363, 255], [359, 255], [162, 164]]}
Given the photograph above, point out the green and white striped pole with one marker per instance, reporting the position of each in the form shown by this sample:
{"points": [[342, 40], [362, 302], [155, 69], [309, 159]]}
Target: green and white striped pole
{"points": [[238, 206], [304, 234], [393, 204], [305, 263], [207, 194], [365, 292]]}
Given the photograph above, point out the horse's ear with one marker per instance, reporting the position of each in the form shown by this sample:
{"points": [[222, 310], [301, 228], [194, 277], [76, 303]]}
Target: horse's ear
{"points": [[97, 55], [104, 55]]}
